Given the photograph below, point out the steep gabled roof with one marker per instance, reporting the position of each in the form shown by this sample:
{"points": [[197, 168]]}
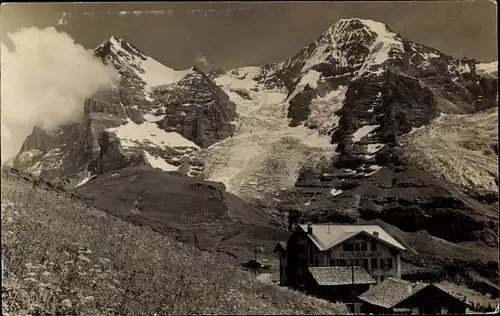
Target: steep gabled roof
{"points": [[341, 275], [281, 246], [390, 292], [326, 236]]}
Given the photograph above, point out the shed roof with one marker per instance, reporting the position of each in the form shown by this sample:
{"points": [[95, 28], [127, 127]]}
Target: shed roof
{"points": [[391, 291], [341, 275], [326, 236], [280, 246]]}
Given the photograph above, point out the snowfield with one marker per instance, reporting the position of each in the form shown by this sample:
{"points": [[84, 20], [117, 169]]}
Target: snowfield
{"points": [[311, 78], [363, 132], [265, 154], [152, 72], [458, 148], [158, 162], [385, 42], [149, 136], [323, 110], [131, 133]]}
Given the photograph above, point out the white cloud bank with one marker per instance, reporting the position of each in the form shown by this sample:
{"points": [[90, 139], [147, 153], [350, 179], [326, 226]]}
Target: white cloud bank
{"points": [[44, 82], [202, 61]]}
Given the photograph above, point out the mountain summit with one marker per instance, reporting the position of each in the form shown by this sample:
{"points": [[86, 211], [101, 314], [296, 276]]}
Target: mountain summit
{"points": [[359, 125], [138, 71]]}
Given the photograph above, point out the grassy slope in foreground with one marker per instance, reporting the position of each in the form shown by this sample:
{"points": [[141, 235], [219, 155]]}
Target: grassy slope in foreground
{"points": [[61, 256]]}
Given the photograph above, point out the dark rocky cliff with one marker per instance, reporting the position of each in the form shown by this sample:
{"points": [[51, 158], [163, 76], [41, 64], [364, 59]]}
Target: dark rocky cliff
{"points": [[197, 109]]}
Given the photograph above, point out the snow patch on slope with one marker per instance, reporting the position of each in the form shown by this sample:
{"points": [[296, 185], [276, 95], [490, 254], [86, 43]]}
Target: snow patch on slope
{"points": [[311, 78], [86, 179], [335, 192], [373, 148], [241, 78], [363, 131], [152, 72], [379, 52], [156, 74], [158, 162], [323, 110], [131, 133]]}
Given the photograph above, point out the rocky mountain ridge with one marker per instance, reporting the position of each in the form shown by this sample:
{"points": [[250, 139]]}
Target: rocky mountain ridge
{"points": [[329, 134], [132, 125]]}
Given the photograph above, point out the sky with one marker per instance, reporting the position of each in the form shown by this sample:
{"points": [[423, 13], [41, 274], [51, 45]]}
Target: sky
{"points": [[229, 35]]}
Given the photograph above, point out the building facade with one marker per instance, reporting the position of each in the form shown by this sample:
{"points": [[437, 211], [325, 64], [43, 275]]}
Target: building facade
{"points": [[324, 245], [281, 250]]}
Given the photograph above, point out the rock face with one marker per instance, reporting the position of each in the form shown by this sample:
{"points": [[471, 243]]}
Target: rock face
{"points": [[389, 88], [156, 117], [197, 109], [361, 92]]}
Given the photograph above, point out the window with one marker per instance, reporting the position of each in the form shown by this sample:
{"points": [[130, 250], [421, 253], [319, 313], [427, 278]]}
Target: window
{"points": [[374, 263], [389, 263], [364, 246], [337, 262], [348, 246], [365, 263], [361, 246], [373, 246], [382, 263]]}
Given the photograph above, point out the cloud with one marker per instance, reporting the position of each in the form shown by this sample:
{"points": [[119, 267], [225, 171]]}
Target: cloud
{"points": [[44, 82], [202, 60]]}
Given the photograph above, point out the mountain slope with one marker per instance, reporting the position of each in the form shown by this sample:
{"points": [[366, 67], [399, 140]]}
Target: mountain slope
{"points": [[329, 134], [461, 149], [184, 207], [142, 72], [359, 83], [132, 125], [62, 256], [366, 106]]}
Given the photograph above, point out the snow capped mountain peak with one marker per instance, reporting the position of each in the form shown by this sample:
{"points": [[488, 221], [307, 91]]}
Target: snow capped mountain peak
{"points": [[351, 47], [118, 46], [343, 26], [365, 32], [141, 71]]}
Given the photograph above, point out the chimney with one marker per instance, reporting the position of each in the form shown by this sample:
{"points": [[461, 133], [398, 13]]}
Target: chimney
{"points": [[375, 234], [309, 229]]}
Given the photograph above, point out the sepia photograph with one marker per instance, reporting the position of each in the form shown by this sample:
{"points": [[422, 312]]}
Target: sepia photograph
{"points": [[249, 158]]}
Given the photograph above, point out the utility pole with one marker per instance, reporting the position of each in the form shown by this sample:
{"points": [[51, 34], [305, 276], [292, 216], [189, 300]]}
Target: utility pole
{"points": [[196, 243], [352, 278], [255, 250], [255, 257]]}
